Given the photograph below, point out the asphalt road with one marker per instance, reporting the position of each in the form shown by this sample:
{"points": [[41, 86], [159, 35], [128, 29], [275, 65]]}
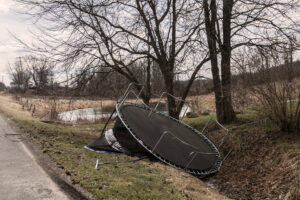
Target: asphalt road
{"points": [[20, 175]]}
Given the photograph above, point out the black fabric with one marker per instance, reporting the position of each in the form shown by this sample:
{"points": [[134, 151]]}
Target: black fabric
{"points": [[179, 144], [101, 144], [125, 138]]}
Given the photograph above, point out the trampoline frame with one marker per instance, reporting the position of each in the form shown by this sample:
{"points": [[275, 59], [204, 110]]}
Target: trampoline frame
{"points": [[201, 173]]}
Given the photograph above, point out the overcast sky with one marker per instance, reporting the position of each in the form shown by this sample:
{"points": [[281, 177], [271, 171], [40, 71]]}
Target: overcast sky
{"points": [[10, 21]]}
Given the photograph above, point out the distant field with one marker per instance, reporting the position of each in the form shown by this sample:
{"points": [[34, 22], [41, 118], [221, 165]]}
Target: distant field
{"points": [[42, 107]]}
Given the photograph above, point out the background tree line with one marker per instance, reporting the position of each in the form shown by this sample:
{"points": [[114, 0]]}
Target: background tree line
{"points": [[179, 37]]}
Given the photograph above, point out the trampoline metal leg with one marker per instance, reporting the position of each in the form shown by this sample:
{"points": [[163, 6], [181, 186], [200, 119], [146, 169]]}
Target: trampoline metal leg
{"points": [[206, 125], [160, 98], [159, 140], [191, 160], [194, 156]]}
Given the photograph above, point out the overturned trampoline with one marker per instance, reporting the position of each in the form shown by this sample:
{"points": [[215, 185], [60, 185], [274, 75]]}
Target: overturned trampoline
{"points": [[140, 129]]}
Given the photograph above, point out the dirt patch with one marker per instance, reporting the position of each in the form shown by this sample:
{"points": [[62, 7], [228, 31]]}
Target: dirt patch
{"points": [[190, 186], [263, 165]]}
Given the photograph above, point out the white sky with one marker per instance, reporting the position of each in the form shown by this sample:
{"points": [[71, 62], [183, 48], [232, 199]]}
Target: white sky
{"points": [[11, 21]]}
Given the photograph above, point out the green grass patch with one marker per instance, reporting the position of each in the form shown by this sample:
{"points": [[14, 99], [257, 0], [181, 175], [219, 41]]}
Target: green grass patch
{"points": [[245, 117], [200, 122], [249, 113]]}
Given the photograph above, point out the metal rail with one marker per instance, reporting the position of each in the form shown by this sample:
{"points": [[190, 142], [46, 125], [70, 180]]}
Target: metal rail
{"points": [[168, 94], [194, 156], [193, 152], [122, 99]]}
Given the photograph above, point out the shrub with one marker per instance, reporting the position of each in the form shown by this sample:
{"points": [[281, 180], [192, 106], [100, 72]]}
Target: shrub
{"points": [[271, 81]]}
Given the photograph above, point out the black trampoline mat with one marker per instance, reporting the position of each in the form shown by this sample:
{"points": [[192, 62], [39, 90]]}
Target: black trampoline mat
{"points": [[180, 145]]}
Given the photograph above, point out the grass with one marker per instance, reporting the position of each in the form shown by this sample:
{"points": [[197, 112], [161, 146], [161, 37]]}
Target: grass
{"points": [[200, 122], [248, 115], [121, 179], [124, 177]]}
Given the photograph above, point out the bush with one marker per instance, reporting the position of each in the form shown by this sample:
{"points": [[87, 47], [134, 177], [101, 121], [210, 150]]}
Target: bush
{"points": [[278, 95]]}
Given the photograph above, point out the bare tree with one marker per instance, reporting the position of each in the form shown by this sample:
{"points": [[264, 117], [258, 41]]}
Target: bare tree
{"points": [[231, 24], [40, 69], [117, 34], [20, 75]]}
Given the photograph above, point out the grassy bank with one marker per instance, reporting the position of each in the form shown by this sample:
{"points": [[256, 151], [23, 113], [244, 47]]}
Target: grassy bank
{"points": [[120, 179], [121, 176], [264, 164]]}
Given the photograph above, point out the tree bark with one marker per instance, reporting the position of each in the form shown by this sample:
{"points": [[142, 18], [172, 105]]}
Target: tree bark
{"points": [[222, 87], [228, 112], [210, 24], [169, 84]]}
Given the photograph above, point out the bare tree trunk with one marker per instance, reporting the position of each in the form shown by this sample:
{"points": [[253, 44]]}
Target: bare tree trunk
{"points": [[222, 88], [217, 88], [228, 112], [148, 82], [169, 84], [211, 32]]}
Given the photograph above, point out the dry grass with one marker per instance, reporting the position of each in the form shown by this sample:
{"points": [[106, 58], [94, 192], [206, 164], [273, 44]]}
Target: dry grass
{"points": [[203, 103], [8, 104], [44, 104], [43, 107], [188, 184]]}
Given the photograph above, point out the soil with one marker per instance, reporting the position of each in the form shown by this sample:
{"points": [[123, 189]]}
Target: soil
{"points": [[261, 166]]}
